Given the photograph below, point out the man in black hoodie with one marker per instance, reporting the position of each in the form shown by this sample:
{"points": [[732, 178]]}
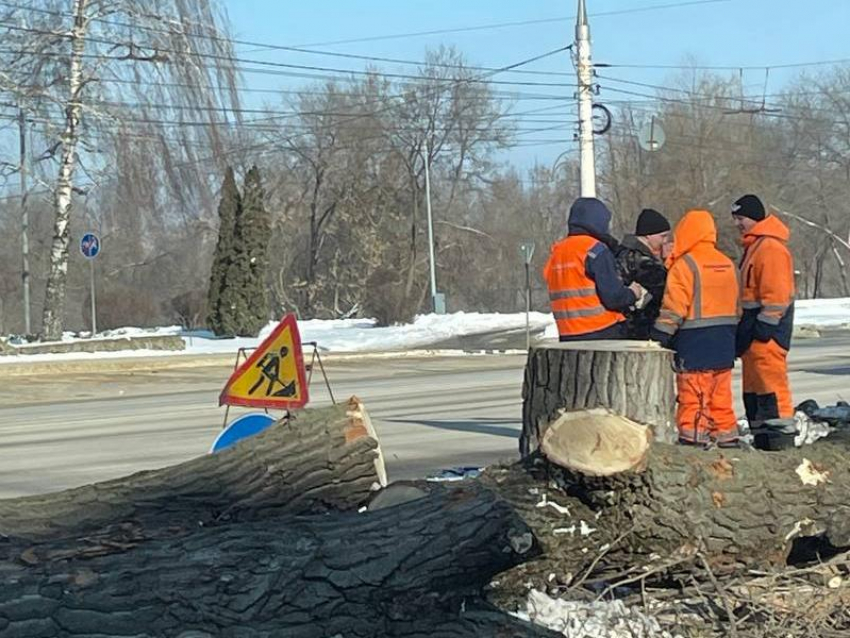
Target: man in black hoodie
{"points": [[587, 296], [640, 258]]}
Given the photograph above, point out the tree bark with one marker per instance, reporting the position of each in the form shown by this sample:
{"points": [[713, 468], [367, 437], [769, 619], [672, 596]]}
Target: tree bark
{"points": [[326, 458], [631, 378], [738, 510], [408, 570], [54, 302], [743, 507]]}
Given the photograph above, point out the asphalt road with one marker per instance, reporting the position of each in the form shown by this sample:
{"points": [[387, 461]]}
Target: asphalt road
{"points": [[59, 430]]}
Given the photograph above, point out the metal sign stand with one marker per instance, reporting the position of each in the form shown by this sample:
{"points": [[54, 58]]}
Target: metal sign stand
{"points": [[316, 358], [242, 355]]}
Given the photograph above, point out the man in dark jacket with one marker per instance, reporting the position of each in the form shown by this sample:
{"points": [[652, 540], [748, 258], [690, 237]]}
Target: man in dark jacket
{"points": [[587, 296], [640, 259]]}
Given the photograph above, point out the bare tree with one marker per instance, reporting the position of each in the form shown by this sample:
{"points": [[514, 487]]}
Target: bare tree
{"points": [[107, 64]]}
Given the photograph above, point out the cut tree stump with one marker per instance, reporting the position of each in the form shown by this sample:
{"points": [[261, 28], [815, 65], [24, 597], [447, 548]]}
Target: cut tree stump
{"points": [[321, 459], [671, 509], [634, 379], [416, 569], [597, 443]]}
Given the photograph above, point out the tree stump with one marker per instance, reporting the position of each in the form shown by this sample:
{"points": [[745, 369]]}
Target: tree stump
{"points": [[671, 508], [634, 379], [597, 443], [321, 459]]}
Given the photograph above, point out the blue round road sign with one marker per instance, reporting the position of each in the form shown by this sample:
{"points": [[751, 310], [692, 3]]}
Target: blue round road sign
{"points": [[242, 428], [90, 245]]}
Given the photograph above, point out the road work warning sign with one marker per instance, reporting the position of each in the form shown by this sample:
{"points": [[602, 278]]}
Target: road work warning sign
{"points": [[273, 376]]}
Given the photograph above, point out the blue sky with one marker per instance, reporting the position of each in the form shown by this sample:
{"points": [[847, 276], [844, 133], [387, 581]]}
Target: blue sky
{"points": [[724, 33]]}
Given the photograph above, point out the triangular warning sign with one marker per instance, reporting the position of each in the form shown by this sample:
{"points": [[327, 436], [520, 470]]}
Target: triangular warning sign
{"points": [[273, 376]]}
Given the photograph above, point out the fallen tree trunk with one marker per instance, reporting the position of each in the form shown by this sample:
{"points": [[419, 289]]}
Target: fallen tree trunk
{"points": [[631, 378], [326, 458], [408, 570], [670, 508]]}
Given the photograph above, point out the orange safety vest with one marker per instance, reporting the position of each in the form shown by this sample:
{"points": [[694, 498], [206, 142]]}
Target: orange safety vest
{"points": [[575, 303]]}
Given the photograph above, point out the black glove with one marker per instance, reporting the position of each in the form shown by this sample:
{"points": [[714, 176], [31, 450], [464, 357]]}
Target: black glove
{"points": [[763, 332], [744, 334], [663, 339]]}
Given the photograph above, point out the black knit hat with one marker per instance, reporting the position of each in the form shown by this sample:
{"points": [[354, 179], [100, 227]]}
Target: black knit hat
{"points": [[651, 222], [749, 206]]}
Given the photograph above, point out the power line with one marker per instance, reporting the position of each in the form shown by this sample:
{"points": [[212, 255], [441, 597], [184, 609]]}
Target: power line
{"points": [[291, 49], [456, 81], [302, 49], [698, 67], [274, 68], [502, 25], [725, 109]]}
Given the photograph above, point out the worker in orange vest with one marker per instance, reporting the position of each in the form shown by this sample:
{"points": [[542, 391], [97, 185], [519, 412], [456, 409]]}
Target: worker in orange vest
{"points": [[767, 299], [587, 296], [699, 318]]}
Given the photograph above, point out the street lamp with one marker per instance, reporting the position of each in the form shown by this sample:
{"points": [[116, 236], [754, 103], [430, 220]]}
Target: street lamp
{"points": [[438, 299]]}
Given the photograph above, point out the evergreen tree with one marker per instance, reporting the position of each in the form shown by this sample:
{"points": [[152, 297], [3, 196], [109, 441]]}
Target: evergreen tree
{"points": [[229, 209], [246, 296], [256, 234]]}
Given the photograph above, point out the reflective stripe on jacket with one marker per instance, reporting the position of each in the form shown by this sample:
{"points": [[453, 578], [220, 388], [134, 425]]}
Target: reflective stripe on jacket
{"points": [[767, 285], [573, 296], [699, 313]]}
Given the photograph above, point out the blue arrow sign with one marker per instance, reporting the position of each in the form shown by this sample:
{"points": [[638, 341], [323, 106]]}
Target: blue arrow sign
{"points": [[90, 245]]}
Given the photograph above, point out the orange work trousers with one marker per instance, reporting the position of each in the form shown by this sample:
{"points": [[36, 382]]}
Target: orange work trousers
{"points": [[767, 394], [705, 411]]}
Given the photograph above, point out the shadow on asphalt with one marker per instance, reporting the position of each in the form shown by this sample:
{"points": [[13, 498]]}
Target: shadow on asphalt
{"points": [[835, 370], [473, 426]]}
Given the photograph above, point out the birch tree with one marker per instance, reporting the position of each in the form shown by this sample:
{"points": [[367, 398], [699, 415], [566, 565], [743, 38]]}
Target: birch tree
{"points": [[92, 71]]}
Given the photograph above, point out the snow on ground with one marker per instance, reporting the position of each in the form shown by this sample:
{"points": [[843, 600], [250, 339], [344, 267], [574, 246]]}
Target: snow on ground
{"points": [[822, 313], [600, 619], [362, 335], [337, 336]]}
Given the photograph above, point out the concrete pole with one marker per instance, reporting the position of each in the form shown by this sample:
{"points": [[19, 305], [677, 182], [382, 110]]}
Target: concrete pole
{"points": [[584, 70], [25, 224], [427, 159]]}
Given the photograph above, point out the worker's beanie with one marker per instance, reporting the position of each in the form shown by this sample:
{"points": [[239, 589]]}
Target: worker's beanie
{"points": [[749, 206], [651, 222]]}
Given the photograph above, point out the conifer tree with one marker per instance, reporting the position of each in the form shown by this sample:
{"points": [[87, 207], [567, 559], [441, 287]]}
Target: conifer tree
{"points": [[228, 210], [246, 295]]}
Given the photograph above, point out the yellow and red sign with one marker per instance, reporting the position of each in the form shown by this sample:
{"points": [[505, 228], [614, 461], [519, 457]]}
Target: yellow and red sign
{"points": [[273, 376]]}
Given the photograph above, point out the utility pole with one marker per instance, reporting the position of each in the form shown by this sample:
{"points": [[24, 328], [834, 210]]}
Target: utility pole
{"points": [[584, 71], [427, 159], [25, 245]]}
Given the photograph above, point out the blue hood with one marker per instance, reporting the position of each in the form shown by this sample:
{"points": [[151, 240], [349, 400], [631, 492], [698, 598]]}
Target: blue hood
{"points": [[589, 216]]}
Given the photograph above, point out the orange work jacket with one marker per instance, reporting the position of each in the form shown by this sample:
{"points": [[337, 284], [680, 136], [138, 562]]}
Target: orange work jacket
{"points": [[767, 284], [700, 311]]}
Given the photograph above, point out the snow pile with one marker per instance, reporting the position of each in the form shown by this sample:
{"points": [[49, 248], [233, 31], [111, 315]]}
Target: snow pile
{"points": [[363, 335], [822, 313], [163, 331], [334, 335], [576, 619], [353, 335], [426, 331]]}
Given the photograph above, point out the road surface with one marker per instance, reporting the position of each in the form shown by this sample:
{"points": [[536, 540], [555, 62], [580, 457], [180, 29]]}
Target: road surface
{"points": [[59, 429]]}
